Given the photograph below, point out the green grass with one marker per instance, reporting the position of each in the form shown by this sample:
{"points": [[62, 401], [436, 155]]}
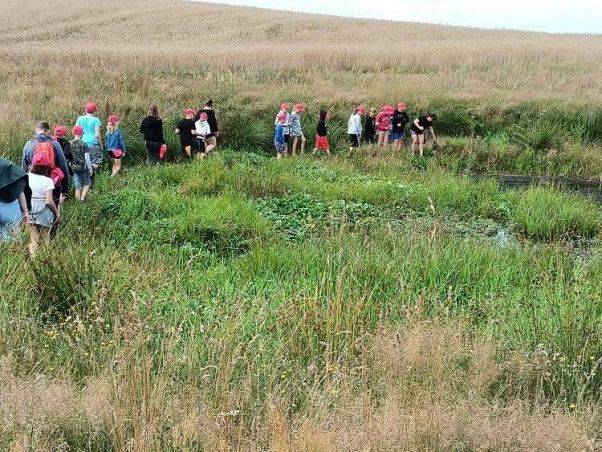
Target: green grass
{"points": [[255, 273]]}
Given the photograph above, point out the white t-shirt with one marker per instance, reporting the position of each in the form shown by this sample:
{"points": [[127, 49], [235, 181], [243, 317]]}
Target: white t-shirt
{"points": [[39, 187], [202, 128]]}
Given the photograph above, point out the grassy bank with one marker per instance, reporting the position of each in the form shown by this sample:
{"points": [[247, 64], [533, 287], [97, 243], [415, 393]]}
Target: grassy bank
{"points": [[262, 296]]}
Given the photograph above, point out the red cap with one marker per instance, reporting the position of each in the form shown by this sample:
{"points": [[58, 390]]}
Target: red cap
{"points": [[281, 117], [300, 107], [361, 110], [91, 107], [203, 117], [284, 106], [40, 159], [401, 105], [113, 119], [77, 130], [60, 131], [388, 109], [189, 111]]}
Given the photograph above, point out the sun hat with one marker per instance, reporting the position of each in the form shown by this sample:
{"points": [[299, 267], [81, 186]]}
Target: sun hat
{"points": [[91, 107], [60, 131]]}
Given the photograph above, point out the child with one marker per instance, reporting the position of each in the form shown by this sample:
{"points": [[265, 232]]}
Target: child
{"points": [[114, 143], [284, 108], [383, 123], [354, 128], [184, 130], [202, 130], [81, 164], [44, 212], [296, 130], [322, 134], [279, 138], [418, 127], [60, 132], [370, 127]]}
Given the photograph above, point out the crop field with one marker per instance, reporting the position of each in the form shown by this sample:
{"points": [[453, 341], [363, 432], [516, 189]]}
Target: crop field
{"points": [[364, 301]]}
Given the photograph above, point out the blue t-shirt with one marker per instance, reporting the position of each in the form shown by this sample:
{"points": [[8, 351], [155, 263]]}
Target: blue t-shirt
{"points": [[89, 124]]}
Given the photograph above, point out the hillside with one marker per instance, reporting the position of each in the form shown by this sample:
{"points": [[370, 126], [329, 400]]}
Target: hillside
{"points": [[365, 301], [128, 54]]}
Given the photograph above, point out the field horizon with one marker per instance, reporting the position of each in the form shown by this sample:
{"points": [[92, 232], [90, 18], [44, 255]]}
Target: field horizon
{"points": [[367, 300]]}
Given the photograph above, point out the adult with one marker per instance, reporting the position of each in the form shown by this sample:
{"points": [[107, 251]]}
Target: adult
{"points": [[383, 123], [296, 129], [370, 126], [42, 136], [398, 127], [211, 139], [152, 130], [418, 127], [92, 137], [354, 128], [13, 205]]}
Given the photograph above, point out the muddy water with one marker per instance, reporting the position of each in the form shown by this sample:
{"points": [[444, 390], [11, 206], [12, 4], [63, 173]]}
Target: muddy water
{"points": [[589, 188]]}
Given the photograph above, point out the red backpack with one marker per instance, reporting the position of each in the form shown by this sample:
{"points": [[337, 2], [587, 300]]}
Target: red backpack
{"points": [[46, 148]]}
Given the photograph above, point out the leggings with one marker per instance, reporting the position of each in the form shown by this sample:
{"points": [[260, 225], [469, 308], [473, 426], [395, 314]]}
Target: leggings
{"points": [[152, 152]]}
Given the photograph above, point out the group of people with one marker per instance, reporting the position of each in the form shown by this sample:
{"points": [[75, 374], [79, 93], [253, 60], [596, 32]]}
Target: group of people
{"points": [[389, 125], [35, 191]]}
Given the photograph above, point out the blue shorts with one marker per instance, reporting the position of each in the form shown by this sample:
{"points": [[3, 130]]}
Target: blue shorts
{"points": [[396, 136], [280, 147], [81, 178]]}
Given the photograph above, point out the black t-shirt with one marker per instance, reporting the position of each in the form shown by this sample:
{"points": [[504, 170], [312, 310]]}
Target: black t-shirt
{"points": [[186, 126], [399, 120], [424, 122], [152, 129], [321, 128]]}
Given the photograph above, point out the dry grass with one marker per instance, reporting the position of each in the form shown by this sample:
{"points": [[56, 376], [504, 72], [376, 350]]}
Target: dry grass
{"points": [[428, 388]]}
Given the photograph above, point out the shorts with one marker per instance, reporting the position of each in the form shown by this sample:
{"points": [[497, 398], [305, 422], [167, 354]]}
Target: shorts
{"points": [[95, 155], [354, 140], [396, 136], [322, 143], [280, 147], [416, 131], [81, 178], [44, 218], [211, 139], [113, 156]]}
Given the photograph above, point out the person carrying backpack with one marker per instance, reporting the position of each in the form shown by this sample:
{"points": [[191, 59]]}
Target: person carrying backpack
{"points": [[42, 143]]}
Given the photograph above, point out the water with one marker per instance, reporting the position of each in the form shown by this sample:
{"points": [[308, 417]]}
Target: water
{"points": [[555, 16]]}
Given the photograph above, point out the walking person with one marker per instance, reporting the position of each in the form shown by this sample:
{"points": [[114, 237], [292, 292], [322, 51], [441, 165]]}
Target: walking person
{"points": [[91, 125], [184, 130], [152, 130], [418, 127], [383, 123], [296, 130], [354, 128], [284, 108], [399, 120], [370, 127], [202, 130], [44, 211], [322, 143], [43, 143], [13, 205], [81, 164], [115, 144], [279, 139], [211, 139], [59, 133]]}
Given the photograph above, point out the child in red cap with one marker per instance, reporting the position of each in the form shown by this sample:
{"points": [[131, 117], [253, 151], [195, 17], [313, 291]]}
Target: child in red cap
{"points": [[59, 134], [202, 130], [44, 212], [322, 134], [184, 129], [383, 123], [114, 143], [92, 126], [81, 164], [296, 131], [279, 139], [284, 108]]}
